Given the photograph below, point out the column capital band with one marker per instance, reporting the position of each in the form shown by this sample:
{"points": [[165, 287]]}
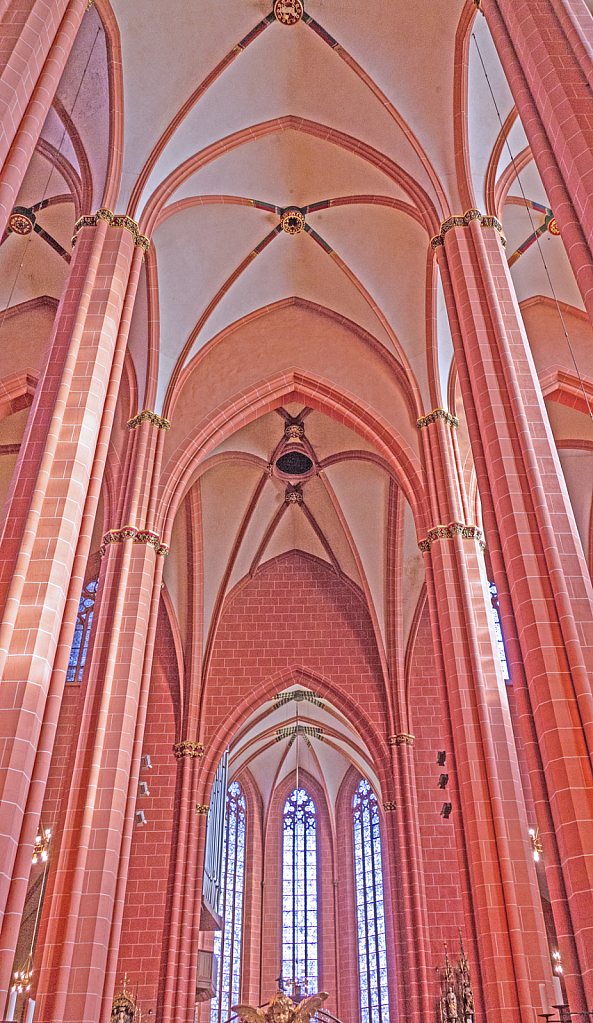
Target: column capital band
{"points": [[113, 220], [466, 532], [437, 413], [465, 221], [151, 417]]}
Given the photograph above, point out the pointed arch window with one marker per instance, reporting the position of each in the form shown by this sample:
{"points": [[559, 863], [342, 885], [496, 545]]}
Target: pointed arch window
{"points": [[227, 943], [299, 890], [498, 631], [370, 913], [82, 632]]}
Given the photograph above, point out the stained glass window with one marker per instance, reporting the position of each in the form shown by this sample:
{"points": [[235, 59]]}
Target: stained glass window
{"points": [[372, 947], [498, 631], [299, 891], [227, 943], [82, 632]]}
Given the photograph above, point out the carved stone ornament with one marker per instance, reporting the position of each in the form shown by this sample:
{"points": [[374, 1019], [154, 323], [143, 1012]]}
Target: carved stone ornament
{"points": [[293, 496], [453, 529], [139, 536], [113, 220], [188, 748], [390, 806], [202, 809], [552, 227], [292, 221], [288, 12], [432, 417], [294, 431], [465, 221], [21, 220], [401, 739], [146, 416]]}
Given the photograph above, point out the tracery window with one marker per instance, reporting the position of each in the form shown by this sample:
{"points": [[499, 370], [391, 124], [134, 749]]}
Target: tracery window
{"points": [[372, 946], [82, 632], [498, 631], [227, 943], [299, 890]]}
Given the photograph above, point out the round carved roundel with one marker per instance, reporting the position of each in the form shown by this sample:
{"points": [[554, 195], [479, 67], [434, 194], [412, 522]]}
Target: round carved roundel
{"points": [[292, 221], [288, 12], [21, 220], [553, 227]]}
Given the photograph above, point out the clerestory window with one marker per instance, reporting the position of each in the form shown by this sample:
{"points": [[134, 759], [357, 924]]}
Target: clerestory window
{"points": [[299, 891], [372, 946], [227, 943], [498, 631]]}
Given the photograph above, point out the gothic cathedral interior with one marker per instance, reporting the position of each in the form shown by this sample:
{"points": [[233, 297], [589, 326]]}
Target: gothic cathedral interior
{"points": [[296, 494]]}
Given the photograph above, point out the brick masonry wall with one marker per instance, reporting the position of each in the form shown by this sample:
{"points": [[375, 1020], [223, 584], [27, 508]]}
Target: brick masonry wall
{"points": [[148, 880], [441, 872]]}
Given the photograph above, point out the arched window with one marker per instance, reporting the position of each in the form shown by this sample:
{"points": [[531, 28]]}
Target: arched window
{"points": [[299, 890], [372, 949], [498, 631], [227, 943], [82, 632]]}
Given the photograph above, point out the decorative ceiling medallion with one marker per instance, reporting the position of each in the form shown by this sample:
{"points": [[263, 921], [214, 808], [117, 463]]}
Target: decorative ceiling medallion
{"points": [[553, 227], [288, 12], [292, 221], [21, 220]]}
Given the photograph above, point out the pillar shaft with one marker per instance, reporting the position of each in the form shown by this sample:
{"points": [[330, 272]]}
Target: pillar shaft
{"points": [[85, 907], [549, 589], [508, 919]]}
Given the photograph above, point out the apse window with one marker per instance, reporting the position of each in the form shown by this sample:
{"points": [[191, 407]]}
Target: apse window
{"points": [[227, 943], [299, 891], [370, 911], [498, 632]]}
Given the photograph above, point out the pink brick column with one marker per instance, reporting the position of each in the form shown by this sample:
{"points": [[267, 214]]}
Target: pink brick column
{"points": [[85, 905], [541, 565], [37, 36], [546, 50], [56, 462], [505, 902]]}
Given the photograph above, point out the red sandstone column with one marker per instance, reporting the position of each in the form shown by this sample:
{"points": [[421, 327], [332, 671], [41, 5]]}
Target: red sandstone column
{"points": [[505, 900], [523, 489], [546, 49], [55, 467], [406, 885], [36, 39], [86, 902], [20, 878]]}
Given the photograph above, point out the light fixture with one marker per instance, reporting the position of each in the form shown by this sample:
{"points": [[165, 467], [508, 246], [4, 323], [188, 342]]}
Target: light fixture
{"points": [[535, 844]]}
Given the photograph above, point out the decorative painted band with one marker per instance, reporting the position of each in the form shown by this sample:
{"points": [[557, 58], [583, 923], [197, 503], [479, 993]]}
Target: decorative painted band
{"points": [[437, 413], [465, 221], [114, 220], [202, 809], [151, 417], [137, 535], [390, 806], [188, 748], [453, 529], [401, 739]]}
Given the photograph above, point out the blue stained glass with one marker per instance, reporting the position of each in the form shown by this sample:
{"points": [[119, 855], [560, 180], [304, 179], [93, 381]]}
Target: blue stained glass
{"points": [[374, 994], [82, 632], [299, 890], [498, 632], [227, 943]]}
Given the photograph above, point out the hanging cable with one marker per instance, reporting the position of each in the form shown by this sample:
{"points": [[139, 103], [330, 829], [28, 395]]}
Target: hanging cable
{"points": [[51, 171], [533, 227]]}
